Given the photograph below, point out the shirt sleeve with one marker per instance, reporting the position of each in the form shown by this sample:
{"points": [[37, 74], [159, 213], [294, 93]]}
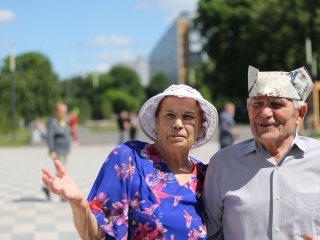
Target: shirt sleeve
{"points": [[50, 135], [108, 199], [225, 123], [212, 202]]}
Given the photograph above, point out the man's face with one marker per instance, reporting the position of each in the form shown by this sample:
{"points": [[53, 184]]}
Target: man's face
{"points": [[274, 120], [61, 111]]}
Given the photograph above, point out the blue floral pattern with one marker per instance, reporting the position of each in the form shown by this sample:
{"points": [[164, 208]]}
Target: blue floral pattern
{"points": [[136, 196]]}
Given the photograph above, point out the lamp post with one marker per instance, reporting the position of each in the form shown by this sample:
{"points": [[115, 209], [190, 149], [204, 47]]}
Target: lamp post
{"points": [[13, 94], [95, 85]]}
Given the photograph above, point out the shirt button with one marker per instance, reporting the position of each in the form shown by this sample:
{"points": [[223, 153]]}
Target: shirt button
{"points": [[277, 230], [277, 198]]}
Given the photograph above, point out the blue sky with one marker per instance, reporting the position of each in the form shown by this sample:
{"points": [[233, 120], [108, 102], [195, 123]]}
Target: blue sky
{"points": [[84, 36]]}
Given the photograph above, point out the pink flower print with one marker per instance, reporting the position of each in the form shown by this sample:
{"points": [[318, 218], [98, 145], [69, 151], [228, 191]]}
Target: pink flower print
{"points": [[188, 218], [136, 201], [98, 203], [177, 199], [154, 179], [149, 211], [195, 234], [115, 150], [192, 185], [144, 232], [127, 170], [151, 153], [120, 212], [158, 192], [108, 228], [161, 229]]}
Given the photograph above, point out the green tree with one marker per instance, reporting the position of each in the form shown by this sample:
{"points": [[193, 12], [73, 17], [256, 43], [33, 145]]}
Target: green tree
{"points": [[128, 80], [37, 87], [120, 100], [158, 83], [269, 35]]}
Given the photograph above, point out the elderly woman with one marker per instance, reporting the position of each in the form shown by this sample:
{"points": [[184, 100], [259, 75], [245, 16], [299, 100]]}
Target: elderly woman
{"points": [[148, 191]]}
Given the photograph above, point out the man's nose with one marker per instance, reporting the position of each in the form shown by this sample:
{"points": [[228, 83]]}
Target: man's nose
{"points": [[266, 112]]}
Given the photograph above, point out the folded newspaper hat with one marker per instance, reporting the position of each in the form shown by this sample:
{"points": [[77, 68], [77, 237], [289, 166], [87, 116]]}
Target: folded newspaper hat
{"points": [[296, 84], [147, 118]]}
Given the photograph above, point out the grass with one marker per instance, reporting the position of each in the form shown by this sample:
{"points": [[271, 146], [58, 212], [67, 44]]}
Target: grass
{"points": [[22, 138], [315, 135], [103, 129]]}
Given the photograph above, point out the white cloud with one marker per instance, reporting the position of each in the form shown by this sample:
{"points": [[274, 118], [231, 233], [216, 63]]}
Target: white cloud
{"points": [[172, 7], [107, 41], [108, 59], [102, 67], [6, 43], [114, 57], [7, 16]]}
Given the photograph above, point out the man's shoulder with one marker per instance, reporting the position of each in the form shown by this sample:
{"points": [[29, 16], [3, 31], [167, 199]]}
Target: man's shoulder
{"points": [[310, 142], [237, 149]]}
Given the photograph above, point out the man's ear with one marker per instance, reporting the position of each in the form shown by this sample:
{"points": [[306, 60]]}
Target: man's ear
{"points": [[302, 113]]}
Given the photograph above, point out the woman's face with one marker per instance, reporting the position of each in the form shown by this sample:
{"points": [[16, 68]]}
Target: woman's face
{"points": [[178, 122]]}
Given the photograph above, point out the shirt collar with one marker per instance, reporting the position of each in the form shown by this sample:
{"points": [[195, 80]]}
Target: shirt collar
{"points": [[298, 141], [254, 145]]}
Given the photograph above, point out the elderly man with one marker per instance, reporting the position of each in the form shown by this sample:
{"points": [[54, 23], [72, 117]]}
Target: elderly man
{"points": [[268, 187], [59, 137]]}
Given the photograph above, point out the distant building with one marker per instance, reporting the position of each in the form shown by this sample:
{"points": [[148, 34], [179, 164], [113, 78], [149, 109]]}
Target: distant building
{"points": [[178, 50], [141, 66]]}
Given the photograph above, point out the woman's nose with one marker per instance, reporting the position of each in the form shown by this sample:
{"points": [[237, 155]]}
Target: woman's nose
{"points": [[178, 124]]}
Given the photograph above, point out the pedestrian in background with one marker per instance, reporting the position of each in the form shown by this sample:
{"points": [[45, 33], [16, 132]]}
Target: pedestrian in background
{"points": [[124, 126], [227, 126], [134, 124], [74, 119], [58, 136]]}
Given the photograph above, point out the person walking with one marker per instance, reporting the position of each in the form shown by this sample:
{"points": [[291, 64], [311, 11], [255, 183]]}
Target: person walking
{"points": [[58, 137]]}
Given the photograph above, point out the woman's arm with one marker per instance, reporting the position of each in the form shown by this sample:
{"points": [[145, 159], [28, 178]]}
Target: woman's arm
{"points": [[63, 185], [85, 222]]}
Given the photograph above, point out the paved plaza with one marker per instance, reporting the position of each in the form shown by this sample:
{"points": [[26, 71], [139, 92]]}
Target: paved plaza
{"points": [[25, 213]]}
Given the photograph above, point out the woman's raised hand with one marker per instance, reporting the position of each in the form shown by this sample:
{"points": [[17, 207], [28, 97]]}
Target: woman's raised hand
{"points": [[62, 185]]}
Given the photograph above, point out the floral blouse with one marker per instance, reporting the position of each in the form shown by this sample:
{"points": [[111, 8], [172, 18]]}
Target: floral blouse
{"points": [[136, 196]]}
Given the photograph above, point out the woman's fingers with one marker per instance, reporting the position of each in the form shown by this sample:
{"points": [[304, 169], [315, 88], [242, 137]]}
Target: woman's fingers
{"points": [[51, 181], [60, 168], [308, 237], [48, 174]]}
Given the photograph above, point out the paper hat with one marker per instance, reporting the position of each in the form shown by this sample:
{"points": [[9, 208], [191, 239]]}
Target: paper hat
{"points": [[296, 84]]}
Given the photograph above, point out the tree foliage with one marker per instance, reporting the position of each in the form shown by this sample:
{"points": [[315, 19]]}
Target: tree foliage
{"points": [[158, 83], [37, 87], [118, 89], [269, 35], [128, 80]]}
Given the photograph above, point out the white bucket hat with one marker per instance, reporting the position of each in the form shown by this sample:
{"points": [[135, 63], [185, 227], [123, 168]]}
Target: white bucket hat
{"points": [[147, 118]]}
